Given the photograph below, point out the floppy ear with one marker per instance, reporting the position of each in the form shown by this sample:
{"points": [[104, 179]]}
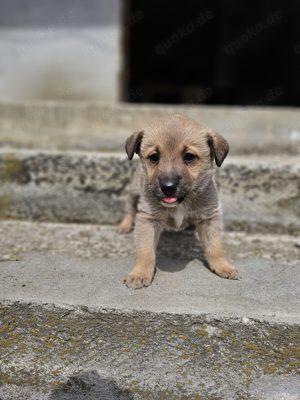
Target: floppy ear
{"points": [[219, 147], [133, 144]]}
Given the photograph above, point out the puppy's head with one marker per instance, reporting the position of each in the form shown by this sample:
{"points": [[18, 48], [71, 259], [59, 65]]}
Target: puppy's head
{"points": [[177, 155]]}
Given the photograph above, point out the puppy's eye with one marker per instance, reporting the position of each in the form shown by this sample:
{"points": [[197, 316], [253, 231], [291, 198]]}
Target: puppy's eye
{"points": [[189, 157], [154, 158]]}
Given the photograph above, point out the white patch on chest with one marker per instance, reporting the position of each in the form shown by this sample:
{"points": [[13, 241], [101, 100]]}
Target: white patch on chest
{"points": [[178, 216]]}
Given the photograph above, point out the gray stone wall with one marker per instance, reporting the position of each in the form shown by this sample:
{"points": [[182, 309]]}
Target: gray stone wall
{"points": [[67, 49]]}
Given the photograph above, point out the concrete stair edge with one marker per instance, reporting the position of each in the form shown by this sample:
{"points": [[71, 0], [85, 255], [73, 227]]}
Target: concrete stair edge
{"points": [[89, 126], [70, 328], [91, 187], [68, 323]]}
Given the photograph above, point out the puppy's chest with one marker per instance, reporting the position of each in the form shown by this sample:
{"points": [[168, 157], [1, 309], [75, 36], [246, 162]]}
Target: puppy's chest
{"points": [[177, 219]]}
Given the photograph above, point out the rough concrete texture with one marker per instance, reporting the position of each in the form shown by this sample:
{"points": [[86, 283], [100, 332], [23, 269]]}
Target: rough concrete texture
{"points": [[258, 194], [71, 330], [267, 289], [102, 126], [63, 186], [92, 241], [79, 354]]}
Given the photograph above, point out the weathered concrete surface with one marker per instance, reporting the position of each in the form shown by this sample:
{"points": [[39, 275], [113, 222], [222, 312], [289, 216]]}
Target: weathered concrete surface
{"points": [[103, 126], [258, 194], [268, 290], [63, 186], [71, 330], [53, 353], [93, 241]]}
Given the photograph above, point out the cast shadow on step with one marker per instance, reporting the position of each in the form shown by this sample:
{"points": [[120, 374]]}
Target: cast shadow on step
{"points": [[89, 385]]}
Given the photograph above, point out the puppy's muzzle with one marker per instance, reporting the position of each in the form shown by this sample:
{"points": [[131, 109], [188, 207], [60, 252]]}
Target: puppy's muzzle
{"points": [[168, 186]]}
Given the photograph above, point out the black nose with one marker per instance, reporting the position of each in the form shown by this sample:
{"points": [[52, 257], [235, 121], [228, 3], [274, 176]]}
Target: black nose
{"points": [[169, 185]]}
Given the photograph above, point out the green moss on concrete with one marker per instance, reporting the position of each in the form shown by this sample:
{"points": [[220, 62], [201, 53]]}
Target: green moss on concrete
{"points": [[35, 337], [5, 205], [10, 168], [291, 204]]}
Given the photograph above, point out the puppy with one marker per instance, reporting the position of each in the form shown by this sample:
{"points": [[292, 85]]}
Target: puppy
{"points": [[174, 187]]}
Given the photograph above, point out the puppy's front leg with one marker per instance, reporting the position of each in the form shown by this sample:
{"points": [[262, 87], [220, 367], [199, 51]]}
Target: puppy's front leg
{"points": [[147, 235], [209, 232]]}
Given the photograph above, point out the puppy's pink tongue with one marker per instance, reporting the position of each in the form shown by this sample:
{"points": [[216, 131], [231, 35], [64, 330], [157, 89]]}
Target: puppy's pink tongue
{"points": [[170, 200]]}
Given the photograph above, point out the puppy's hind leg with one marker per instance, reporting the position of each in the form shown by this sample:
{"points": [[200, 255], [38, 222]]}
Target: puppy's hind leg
{"points": [[127, 224]]}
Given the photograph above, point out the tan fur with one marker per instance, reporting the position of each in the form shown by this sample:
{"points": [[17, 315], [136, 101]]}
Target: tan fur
{"points": [[171, 138], [127, 224]]}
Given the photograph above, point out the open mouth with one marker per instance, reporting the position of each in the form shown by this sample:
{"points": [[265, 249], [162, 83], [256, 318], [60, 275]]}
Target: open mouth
{"points": [[170, 201]]}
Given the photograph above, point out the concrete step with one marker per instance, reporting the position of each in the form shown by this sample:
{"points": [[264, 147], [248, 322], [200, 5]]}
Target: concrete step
{"points": [[70, 329], [89, 241], [58, 125], [259, 194]]}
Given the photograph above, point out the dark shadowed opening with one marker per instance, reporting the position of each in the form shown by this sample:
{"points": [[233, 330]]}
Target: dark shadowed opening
{"points": [[212, 52]]}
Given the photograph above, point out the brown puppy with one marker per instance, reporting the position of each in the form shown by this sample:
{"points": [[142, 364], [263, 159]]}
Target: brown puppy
{"points": [[174, 187]]}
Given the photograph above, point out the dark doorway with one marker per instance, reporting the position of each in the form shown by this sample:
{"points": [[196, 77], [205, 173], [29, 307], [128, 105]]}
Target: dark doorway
{"points": [[212, 52]]}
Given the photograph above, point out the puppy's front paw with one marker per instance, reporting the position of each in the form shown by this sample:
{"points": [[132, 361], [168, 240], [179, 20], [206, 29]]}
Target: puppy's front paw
{"points": [[227, 271], [135, 280]]}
